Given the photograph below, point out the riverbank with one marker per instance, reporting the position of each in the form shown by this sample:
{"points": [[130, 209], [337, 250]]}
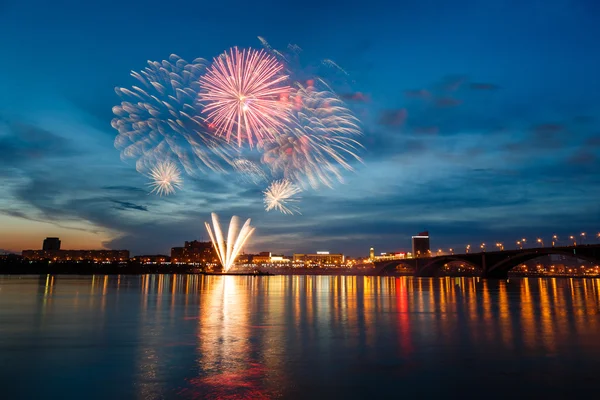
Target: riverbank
{"points": [[43, 268]]}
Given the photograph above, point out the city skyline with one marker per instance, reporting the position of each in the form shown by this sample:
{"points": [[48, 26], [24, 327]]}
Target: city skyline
{"points": [[478, 129], [554, 240]]}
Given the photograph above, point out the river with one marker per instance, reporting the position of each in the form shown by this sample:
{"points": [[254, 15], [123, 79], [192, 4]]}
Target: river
{"points": [[296, 337]]}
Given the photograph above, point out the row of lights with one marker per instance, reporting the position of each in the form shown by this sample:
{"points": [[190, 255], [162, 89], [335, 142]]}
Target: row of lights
{"points": [[521, 243]]}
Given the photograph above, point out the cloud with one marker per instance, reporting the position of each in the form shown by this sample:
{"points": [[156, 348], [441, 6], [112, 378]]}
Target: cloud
{"points": [[593, 141], [21, 143], [447, 102], [426, 130], [583, 119], [357, 97], [126, 205], [124, 189], [483, 86], [548, 129], [583, 157], [453, 110], [393, 118], [417, 94], [452, 83]]}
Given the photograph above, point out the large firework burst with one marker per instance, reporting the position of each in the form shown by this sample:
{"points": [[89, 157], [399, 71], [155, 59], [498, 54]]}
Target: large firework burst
{"points": [[159, 118], [165, 178], [244, 95], [279, 194], [320, 142]]}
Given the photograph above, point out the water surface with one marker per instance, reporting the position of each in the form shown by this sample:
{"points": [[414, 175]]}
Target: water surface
{"points": [[293, 337]]}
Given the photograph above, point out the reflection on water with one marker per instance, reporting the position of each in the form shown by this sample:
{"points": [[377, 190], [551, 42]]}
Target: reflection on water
{"points": [[193, 336]]}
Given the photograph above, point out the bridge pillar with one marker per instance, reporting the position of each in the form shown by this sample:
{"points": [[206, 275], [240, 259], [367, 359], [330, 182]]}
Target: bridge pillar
{"points": [[483, 266]]}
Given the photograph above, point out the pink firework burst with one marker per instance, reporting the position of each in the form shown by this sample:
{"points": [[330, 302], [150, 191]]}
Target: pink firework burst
{"points": [[245, 95]]}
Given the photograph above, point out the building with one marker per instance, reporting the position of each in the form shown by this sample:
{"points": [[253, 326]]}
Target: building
{"points": [[51, 251], [420, 245], [194, 252], [78, 255], [320, 258], [265, 257], [372, 254], [10, 257], [279, 259], [244, 259], [51, 244], [152, 259]]}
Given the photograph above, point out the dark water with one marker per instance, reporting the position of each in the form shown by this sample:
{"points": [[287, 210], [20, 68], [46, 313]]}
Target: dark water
{"points": [[186, 336]]}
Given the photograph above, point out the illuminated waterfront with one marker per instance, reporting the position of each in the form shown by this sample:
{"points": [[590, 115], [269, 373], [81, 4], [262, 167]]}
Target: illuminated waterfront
{"points": [[190, 336]]}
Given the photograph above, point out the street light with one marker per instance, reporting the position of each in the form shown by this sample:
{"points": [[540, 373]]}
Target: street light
{"points": [[524, 241], [582, 237], [500, 246], [452, 250], [468, 248], [520, 244], [540, 241], [483, 247], [439, 252], [554, 239], [573, 239]]}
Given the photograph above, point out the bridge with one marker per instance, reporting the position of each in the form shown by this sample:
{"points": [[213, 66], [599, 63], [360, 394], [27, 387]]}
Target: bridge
{"points": [[492, 264]]}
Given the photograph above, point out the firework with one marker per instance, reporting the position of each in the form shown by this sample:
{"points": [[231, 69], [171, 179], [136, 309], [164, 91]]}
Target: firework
{"points": [[235, 240], [278, 194], [299, 71], [245, 96], [249, 171], [165, 178], [159, 118], [320, 142]]}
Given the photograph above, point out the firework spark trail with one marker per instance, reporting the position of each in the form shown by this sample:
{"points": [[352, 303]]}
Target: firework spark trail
{"points": [[235, 240], [299, 72], [249, 171], [279, 193], [244, 95], [160, 119], [165, 178], [319, 144]]}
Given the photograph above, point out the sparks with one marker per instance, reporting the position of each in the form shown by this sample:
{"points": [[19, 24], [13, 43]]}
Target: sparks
{"points": [[165, 178], [235, 240], [244, 94], [320, 142], [279, 193], [159, 119], [249, 171]]}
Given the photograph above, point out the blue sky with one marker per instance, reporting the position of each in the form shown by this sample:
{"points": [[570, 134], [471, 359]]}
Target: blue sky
{"points": [[481, 122]]}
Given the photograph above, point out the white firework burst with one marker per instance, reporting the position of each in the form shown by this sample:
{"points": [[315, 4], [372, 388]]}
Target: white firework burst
{"points": [[165, 178], [279, 193]]}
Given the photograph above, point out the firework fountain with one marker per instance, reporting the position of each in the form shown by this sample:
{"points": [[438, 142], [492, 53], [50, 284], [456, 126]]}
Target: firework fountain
{"points": [[235, 240]]}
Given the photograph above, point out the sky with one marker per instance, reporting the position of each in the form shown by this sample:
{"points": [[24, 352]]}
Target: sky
{"points": [[480, 121]]}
